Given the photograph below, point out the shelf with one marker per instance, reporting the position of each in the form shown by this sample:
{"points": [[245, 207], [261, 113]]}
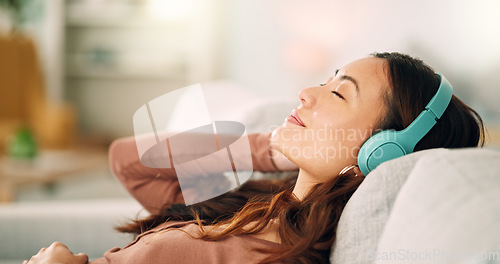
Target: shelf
{"points": [[124, 23], [115, 41], [122, 76], [127, 66]]}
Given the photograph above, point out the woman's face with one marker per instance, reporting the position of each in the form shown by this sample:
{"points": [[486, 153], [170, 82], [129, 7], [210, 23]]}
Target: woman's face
{"points": [[324, 133]]}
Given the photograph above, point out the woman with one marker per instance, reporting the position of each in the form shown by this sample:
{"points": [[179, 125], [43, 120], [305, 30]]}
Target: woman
{"points": [[294, 219]]}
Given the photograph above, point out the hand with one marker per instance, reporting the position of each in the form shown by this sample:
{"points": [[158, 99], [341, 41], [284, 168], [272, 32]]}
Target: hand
{"points": [[58, 253]]}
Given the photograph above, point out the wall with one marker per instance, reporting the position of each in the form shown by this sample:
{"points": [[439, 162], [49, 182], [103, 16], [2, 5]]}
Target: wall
{"points": [[267, 39], [275, 48]]}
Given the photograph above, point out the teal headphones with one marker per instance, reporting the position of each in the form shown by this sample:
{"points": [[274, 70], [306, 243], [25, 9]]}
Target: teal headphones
{"points": [[387, 145]]}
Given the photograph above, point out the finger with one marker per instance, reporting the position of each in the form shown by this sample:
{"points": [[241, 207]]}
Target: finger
{"points": [[83, 256], [25, 262], [42, 250], [58, 244]]}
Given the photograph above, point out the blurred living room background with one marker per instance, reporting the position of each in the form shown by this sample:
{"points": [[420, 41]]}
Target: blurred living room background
{"points": [[72, 73]]}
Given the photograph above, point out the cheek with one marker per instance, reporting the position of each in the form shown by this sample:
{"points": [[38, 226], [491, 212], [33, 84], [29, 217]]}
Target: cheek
{"points": [[325, 148], [327, 117]]}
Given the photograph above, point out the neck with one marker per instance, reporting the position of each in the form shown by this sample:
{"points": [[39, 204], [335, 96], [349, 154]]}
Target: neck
{"points": [[304, 183]]}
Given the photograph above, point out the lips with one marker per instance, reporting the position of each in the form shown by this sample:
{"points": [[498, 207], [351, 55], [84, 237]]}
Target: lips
{"points": [[294, 118]]}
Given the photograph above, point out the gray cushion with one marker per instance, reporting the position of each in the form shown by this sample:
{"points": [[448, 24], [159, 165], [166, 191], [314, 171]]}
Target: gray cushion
{"points": [[83, 225], [448, 211], [364, 217]]}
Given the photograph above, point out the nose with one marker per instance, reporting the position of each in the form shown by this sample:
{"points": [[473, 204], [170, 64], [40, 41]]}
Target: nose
{"points": [[307, 97]]}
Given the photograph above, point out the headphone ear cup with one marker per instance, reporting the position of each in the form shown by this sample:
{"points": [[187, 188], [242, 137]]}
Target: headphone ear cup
{"points": [[389, 144], [379, 148]]}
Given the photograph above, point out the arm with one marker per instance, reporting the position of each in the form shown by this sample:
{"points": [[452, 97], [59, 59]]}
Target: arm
{"points": [[155, 187], [149, 186]]}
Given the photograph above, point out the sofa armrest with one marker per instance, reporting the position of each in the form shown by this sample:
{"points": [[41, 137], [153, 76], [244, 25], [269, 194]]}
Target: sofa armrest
{"points": [[84, 226]]}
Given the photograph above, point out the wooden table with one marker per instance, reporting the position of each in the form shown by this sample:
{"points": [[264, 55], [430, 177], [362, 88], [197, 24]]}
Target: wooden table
{"points": [[493, 136], [48, 168]]}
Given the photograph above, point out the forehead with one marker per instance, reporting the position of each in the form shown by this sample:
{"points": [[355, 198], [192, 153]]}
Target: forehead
{"points": [[371, 75]]}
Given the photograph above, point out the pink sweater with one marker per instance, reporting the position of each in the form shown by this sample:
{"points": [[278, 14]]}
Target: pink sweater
{"points": [[155, 187]]}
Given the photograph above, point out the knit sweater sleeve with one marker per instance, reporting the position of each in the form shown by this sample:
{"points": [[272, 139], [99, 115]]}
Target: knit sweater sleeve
{"points": [[154, 187]]}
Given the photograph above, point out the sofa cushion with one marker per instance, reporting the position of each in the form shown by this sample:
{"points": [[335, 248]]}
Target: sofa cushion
{"points": [[363, 219], [83, 225], [448, 211]]}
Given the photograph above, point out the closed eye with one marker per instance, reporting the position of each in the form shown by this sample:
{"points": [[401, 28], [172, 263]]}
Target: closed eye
{"points": [[339, 95]]}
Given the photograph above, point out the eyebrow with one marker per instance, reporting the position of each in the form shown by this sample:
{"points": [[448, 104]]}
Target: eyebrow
{"points": [[351, 79]]}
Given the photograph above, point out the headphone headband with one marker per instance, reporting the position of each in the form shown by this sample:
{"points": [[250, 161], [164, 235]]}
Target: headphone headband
{"points": [[432, 112], [442, 99]]}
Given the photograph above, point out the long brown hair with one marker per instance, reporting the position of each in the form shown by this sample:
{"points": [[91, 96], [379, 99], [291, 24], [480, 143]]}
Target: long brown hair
{"points": [[413, 85], [307, 227]]}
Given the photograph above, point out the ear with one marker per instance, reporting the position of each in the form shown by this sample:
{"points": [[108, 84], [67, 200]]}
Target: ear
{"points": [[353, 168], [358, 172]]}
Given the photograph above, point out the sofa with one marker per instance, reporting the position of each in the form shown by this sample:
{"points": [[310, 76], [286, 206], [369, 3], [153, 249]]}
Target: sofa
{"points": [[432, 206]]}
